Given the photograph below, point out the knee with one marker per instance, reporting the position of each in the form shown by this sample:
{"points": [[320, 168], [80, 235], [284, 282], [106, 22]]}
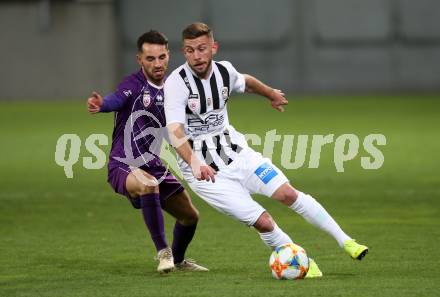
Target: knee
{"points": [[264, 223], [191, 217], [288, 196], [147, 189], [139, 183]]}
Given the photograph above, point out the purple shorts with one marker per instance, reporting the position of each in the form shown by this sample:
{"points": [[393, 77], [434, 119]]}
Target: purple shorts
{"points": [[118, 172]]}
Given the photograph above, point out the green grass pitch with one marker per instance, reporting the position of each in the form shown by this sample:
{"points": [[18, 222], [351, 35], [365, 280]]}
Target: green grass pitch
{"points": [[75, 237]]}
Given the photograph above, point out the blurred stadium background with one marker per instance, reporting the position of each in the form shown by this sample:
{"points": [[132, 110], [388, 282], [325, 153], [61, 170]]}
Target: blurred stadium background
{"points": [[348, 66], [64, 49]]}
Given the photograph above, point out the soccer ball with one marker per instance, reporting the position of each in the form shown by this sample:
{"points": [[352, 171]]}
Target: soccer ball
{"points": [[289, 261]]}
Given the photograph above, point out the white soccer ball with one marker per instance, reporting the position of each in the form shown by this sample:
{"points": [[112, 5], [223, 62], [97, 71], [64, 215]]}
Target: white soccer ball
{"points": [[289, 261]]}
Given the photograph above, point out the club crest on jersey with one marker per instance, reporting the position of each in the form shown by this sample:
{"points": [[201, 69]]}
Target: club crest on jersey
{"points": [[225, 93], [194, 102], [146, 98]]}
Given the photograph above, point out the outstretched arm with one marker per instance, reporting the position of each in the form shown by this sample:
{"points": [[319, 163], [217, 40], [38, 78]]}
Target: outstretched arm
{"points": [[275, 96], [109, 103], [94, 103]]}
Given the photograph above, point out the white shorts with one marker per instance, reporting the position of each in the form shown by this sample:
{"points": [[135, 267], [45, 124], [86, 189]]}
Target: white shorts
{"points": [[249, 173]]}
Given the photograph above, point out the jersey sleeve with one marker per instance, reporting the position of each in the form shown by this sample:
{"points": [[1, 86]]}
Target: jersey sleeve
{"points": [[127, 89], [176, 97], [112, 102], [237, 80], [117, 100]]}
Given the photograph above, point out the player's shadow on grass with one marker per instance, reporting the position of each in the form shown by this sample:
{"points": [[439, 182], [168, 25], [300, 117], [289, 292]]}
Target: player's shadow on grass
{"points": [[81, 268], [111, 266]]}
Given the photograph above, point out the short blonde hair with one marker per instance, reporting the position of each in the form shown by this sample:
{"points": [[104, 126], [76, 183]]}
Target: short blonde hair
{"points": [[196, 30]]}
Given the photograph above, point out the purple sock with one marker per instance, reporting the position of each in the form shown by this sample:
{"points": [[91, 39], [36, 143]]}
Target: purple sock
{"points": [[182, 237], [153, 218]]}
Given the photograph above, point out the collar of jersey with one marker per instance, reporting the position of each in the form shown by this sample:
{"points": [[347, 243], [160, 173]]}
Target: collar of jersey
{"points": [[145, 79]]}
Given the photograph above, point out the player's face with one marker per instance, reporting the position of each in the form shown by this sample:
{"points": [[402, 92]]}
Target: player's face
{"points": [[154, 61], [199, 52]]}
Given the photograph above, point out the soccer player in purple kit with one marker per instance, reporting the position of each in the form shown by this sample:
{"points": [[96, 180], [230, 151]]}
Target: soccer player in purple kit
{"points": [[135, 169]]}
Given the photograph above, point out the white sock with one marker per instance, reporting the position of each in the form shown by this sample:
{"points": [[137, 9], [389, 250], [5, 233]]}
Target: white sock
{"points": [[275, 238], [313, 212]]}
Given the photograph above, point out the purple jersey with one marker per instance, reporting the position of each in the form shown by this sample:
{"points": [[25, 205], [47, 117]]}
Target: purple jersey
{"points": [[139, 122]]}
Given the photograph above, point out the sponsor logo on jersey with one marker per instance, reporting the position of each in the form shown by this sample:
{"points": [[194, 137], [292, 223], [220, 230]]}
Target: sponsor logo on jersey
{"points": [[266, 173], [194, 102], [211, 122], [159, 99], [146, 98]]}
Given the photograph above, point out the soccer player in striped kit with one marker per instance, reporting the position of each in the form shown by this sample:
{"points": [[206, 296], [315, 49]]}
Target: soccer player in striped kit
{"points": [[215, 159], [135, 169]]}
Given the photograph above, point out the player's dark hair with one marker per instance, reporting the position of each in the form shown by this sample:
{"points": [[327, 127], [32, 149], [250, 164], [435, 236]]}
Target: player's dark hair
{"points": [[152, 37], [196, 30]]}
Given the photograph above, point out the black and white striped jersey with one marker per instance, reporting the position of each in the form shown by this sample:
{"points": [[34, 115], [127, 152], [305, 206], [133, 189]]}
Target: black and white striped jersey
{"points": [[201, 105]]}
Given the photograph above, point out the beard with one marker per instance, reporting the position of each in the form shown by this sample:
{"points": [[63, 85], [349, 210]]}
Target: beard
{"points": [[155, 77], [203, 72]]}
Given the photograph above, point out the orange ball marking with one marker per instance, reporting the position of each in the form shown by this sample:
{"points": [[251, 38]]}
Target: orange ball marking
{"points": [[278, 267]]}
